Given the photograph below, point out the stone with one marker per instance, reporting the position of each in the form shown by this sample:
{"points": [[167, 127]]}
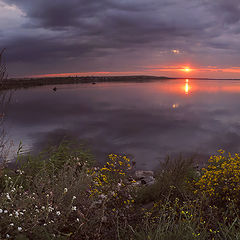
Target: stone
{"points": [[145, 177], [142, 174]]}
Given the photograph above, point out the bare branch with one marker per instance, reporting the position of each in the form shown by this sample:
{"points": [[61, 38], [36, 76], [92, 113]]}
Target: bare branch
{"points": [[2, 67], [5, 97]]}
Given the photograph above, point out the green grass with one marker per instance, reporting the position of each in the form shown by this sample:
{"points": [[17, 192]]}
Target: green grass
{"points": [[61, 194]]}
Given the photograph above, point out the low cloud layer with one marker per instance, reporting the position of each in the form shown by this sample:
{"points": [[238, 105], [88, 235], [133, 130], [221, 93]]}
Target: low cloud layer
{"points": [[44, 36]]}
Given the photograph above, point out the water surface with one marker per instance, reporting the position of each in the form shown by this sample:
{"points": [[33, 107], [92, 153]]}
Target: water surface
{"points": [[146, 120]]}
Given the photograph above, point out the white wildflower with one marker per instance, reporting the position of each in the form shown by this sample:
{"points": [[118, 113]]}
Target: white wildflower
{"points": [[50, 209], [19, 229], [103, 196], [8, 196], [74, 208], [11, 224], [5, 211], [1, 211], [58, 213], [65, 190], [74, 197]]}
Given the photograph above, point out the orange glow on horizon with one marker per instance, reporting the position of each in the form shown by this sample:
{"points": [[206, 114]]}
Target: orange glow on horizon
{"points": [[168, 71], [172, 71]]}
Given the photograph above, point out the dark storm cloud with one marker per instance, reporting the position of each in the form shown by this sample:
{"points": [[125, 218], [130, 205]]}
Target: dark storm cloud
{"points": [[229, 11], [51, 14], [46, 49], [62, 32]]}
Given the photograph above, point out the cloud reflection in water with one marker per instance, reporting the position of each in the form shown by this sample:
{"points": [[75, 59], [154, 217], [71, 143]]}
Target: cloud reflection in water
{"points": [[147, 120]]}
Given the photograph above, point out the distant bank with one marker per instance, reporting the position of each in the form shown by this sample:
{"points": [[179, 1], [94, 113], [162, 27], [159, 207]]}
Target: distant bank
{"points": [[32, 82], [16, 83]]}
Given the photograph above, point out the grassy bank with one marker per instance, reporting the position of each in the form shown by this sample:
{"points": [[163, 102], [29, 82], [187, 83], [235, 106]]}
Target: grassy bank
{"points": [[62, 194]]}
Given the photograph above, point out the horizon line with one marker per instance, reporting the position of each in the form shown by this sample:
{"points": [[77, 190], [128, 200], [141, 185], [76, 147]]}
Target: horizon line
{"points": [[71, 75]]}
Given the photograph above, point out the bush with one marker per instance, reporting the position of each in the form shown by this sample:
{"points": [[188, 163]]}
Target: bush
{"points": [[113, 195], [59, 194], [46, 198], [220, 180]]}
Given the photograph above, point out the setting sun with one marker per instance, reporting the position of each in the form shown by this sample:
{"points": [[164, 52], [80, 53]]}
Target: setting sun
{"points": [[187, 69]]}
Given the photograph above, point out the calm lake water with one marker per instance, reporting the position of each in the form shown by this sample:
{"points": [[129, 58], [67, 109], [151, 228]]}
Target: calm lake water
{"points": [[145, 120]]}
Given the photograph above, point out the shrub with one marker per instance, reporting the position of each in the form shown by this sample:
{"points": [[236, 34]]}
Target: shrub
{"points": [[113, 194], [59, 194], [46, 198], [220, 181]]}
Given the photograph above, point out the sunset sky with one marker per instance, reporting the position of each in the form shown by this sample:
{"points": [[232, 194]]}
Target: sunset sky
{"points": [[121, 37]]}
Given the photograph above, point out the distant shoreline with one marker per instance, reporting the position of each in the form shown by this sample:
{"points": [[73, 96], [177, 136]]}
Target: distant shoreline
{"points": [[16, 83], [33, 82]]}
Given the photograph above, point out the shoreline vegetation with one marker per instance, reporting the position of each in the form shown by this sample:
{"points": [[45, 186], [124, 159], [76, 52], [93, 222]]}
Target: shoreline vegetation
{"points": [[32, 82], [63, 194]]}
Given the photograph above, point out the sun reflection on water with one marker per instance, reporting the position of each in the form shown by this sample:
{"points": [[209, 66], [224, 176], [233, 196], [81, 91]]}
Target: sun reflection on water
{"points": [[186, 86]]}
